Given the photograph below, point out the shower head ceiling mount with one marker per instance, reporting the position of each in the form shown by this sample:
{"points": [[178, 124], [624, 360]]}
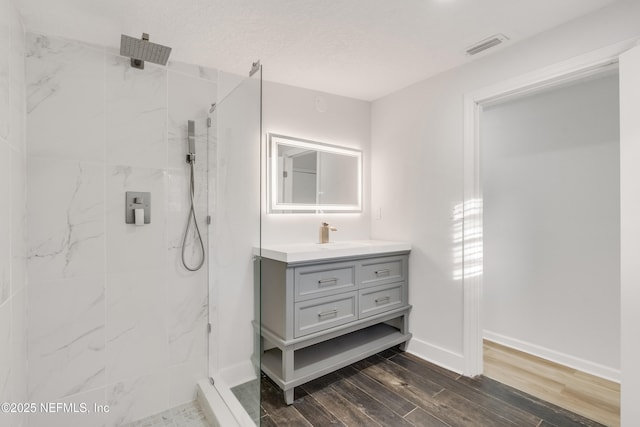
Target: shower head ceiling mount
{"points": [[141, 50]]}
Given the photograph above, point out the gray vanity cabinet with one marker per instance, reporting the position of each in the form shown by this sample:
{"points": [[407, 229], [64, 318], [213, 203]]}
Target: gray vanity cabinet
{"points": [[321, 315]]}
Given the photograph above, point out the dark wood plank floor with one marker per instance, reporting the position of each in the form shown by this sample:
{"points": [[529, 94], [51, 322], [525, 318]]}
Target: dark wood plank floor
{"points": [[393, 389]]}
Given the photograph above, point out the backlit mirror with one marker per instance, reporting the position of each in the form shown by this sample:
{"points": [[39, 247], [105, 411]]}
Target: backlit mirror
{"points": [[309, 176]]}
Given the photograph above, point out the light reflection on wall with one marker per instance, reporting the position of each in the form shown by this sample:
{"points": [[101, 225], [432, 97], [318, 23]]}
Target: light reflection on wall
{"points": [[467, 239]]}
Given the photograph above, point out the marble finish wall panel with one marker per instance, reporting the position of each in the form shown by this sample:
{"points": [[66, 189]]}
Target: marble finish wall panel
{"points": [[65, 219], [16, 82], [136, 114], [5, 354], [136, 327], [5, 76], [194, 70], [5, 222], [190, 97], [114, 317], [66, 337], [19, 349], [18, 220], [188, 309], [13, 310], [181, 379], [65, 99]]}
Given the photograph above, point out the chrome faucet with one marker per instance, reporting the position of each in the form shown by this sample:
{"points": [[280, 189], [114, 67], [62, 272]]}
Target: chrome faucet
{"points": [[324, 232]]}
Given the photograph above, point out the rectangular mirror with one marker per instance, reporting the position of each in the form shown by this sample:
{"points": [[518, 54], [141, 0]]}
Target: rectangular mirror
{"points": [[309, 176]]}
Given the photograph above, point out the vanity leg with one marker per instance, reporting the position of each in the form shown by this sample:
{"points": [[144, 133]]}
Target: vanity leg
{"points": [[405, 329], [287, 364], [288, 396], [287, 371]]}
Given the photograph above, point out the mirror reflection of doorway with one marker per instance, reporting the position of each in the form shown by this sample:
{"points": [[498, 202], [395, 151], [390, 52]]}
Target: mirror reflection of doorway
{"points": [[299, 177], [550, 173]]}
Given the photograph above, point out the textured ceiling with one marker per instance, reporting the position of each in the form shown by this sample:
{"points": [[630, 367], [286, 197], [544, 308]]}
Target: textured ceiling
{"points": [[359, 48]]}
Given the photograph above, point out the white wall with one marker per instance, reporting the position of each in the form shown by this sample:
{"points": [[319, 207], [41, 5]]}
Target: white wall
{"points": [[551, 215], [417, 165], [113, 317], [346, 122], [13, 310]]}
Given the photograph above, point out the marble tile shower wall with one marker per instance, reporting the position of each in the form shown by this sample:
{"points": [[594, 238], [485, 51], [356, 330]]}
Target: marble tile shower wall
{"points": [[13, 350], [113, 317]]}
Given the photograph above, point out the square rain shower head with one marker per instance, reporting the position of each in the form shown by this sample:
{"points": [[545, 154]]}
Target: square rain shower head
{"points": [[140, 50]]}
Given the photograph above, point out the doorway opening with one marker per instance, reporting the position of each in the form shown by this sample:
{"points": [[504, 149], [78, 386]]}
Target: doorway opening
{"points": [[550, 179], [472, 273]]}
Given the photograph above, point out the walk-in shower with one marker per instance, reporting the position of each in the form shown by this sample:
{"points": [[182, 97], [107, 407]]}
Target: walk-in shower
{"points": [[227, 177]]}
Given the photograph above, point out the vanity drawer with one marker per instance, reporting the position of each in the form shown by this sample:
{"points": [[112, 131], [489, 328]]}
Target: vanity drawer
{"points": [[324, 313], [320, 280], [379, 271], [381, 298]]}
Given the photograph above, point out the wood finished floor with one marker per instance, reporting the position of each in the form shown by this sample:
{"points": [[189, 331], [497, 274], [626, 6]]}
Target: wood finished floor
{"points": [[587, 395], [397, 389]]}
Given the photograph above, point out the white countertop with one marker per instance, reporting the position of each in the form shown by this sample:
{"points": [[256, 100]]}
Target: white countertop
{"points": [[299, 252]]}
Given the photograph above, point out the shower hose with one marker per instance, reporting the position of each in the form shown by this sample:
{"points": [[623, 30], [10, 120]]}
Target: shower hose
{"points": [[192, 217]]}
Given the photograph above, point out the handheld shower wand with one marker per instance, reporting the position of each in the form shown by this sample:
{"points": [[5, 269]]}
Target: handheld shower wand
{"points": [[191, 140], [191, 160]]}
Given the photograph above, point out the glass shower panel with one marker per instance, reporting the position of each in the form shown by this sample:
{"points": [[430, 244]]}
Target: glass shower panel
{"points": [[234, 236]]}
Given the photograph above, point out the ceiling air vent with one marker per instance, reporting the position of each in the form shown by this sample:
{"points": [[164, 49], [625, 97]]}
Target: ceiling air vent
{"points": [[488, 43]]}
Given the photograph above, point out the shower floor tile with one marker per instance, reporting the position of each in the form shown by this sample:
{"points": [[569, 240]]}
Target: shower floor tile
{"points": [[187, 415]]}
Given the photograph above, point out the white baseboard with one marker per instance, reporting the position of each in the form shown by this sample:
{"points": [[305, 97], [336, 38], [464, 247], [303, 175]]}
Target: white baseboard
{"points": [[440, 356], [555, 356]]}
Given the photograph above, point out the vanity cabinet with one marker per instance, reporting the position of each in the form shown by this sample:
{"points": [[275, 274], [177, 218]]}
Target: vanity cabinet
{"points": [[319, 315]]}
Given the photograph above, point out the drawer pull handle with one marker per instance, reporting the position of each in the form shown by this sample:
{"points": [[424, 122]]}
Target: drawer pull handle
{"points": [[324, 282], [384, 272], [383, 300], [333, 312]]}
